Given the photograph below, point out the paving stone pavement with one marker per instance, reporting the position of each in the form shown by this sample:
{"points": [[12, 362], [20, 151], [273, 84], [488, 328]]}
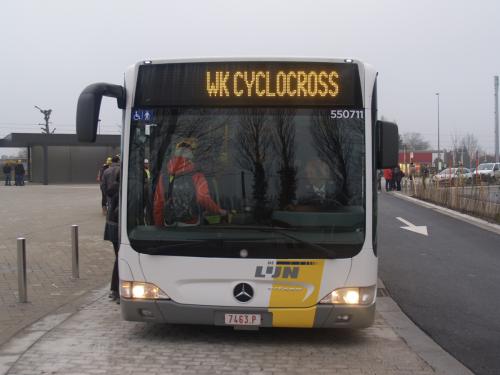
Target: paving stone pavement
{"points": [[44, 214], [70, 327], [96, 341]]}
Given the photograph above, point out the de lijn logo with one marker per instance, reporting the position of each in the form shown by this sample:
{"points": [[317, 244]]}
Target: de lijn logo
{"points": [[286, 272], [243, 292]]}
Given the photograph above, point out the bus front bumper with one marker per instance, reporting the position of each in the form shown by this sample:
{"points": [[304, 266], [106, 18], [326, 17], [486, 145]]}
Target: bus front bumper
{"points": [[319, 316]]}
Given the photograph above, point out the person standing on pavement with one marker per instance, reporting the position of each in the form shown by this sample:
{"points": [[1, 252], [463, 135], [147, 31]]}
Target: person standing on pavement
{"points": [[425, 174], [380, 174], [397, 177], [388, 179], [412, 174], [99, 179], [19, 172], [7, 169], [110, 184]]}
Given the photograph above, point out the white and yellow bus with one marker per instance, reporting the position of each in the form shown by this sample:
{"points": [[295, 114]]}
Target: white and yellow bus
{"points": [[258, 205]]}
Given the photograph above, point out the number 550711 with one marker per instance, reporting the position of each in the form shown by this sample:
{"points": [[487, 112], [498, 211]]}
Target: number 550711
{"points": [[346, 114]]}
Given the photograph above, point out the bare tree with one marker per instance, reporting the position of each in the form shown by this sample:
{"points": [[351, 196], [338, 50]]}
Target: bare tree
{"points": [[208, 131], [254, 140], [46, 116], [23, 153], [415, 141], [471, 145], [455, 144], [284, 145], [464, 148], [338, 142]]}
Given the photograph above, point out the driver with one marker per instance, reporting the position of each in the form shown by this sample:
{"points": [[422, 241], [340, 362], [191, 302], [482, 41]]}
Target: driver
{"points": [[318, 190]]}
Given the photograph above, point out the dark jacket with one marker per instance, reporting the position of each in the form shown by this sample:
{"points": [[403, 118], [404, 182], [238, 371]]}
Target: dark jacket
{"points": [[19, 169], [101, 172], [110, 181], [7, 169], [398, 174], [110, 185]]}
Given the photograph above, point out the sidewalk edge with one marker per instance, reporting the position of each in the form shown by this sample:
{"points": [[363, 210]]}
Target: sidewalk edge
{"points": [[419, 342], [12, 350]]}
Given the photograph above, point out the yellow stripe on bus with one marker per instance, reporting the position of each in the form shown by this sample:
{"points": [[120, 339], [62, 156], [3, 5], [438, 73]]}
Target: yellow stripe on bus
{"points": [[295, 292], [297, 318]]}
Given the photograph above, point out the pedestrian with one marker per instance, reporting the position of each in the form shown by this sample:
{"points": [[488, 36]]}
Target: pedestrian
{"points": [[380, 174], [110, 183], [412, 174], [19, 173], [100, 173], [388, 179], [397, 177], [425, 174], [7, 169]]}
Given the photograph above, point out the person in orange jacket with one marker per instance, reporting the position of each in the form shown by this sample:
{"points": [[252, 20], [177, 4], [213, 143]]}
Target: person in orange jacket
{"points": [[181, 199], [388, 179]]}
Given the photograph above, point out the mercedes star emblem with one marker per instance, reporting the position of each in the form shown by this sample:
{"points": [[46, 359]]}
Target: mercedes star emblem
{"points": [[243, 292]]}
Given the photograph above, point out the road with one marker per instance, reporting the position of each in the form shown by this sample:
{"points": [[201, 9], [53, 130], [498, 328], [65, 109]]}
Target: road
{"points": [[448, 282]]}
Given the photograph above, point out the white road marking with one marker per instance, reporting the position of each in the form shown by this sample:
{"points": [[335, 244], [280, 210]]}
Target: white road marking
{"points": [[422, 229]]}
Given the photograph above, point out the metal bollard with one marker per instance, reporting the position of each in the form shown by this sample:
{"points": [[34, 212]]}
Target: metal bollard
{"points": [[74, 252], [21, 269]]}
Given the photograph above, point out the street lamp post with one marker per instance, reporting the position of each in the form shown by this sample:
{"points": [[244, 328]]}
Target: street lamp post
{"points": [[439, 149]]}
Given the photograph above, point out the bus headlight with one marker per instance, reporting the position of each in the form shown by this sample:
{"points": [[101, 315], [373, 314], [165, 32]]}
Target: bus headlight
{"points": [[141, 290], [351, 296]]}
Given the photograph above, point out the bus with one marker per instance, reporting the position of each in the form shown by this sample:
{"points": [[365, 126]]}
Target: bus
{"points": [[248, 190]]}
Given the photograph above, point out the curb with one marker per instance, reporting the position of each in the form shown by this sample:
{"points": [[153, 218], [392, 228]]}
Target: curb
{"points": [[419, 342]]}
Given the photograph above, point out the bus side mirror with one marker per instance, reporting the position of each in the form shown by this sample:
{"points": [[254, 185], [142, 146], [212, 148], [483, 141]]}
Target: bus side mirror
{"points": [[387, 145], [89, 104]]}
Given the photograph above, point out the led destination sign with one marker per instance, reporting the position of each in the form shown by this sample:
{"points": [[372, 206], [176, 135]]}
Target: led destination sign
{"points": [[265, 84], [249, 84]]}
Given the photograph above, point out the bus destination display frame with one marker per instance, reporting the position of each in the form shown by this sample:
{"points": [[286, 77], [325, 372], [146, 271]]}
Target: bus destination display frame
{"points": [[249, 84]]}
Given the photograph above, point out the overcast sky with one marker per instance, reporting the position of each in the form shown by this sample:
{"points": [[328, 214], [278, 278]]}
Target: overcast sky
{"points": [[52, 49]]}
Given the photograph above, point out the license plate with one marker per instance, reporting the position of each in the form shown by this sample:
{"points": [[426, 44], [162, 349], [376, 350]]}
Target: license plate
{"points": [[242, 319]]}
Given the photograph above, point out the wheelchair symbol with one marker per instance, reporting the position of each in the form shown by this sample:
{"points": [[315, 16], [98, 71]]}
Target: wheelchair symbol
{"points": [[137, 116]]}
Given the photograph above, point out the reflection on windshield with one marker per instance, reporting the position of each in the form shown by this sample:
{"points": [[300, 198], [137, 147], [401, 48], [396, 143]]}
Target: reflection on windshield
{"points": [[211, 171]]}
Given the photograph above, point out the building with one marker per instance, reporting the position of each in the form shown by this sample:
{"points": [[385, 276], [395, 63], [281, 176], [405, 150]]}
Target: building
{"points": [[418, 158], [61, 158]]}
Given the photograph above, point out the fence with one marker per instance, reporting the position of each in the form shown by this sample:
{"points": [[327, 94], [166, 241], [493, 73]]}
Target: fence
{"points": [[479, 200]]}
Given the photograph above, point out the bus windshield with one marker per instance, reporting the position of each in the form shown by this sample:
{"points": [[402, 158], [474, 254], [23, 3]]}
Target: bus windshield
{"points": [[253, 182]]}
